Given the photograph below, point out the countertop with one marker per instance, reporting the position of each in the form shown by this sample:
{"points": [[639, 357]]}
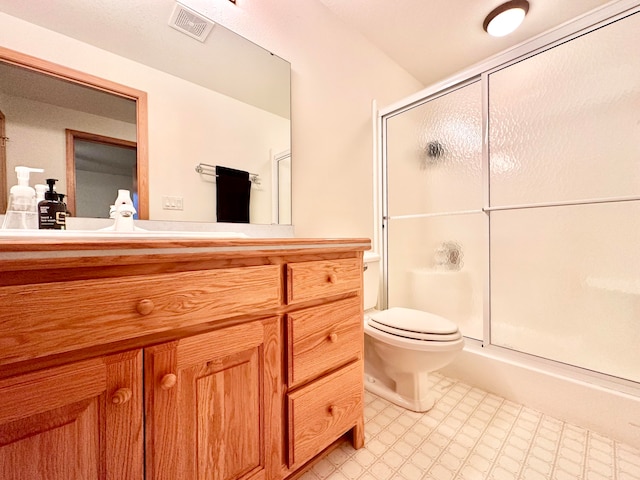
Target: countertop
{"points": [[57, 251]]}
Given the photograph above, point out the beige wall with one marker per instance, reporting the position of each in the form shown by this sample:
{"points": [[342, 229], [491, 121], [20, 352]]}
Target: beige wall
{"points": [[335, 76]]}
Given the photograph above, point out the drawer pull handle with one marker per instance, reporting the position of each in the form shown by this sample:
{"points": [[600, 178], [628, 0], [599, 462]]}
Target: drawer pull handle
{"points": [[333, 337], [332, 409], [145, 307], [121, 396], [168, 381], [332, 278]]}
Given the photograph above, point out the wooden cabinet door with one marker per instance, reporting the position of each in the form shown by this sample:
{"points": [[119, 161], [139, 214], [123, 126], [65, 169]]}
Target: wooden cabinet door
{"points": [[213, 405], [81, 421]]}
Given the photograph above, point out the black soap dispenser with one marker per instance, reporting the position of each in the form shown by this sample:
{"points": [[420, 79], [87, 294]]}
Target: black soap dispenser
{"points": [[66, 207], [52, 213]]}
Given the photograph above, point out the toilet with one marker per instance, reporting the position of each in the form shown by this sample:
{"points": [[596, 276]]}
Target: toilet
{"points": [[402, 345]]}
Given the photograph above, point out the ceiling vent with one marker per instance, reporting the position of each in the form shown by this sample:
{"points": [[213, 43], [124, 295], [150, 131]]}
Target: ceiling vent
{"points": [[190, 23]]}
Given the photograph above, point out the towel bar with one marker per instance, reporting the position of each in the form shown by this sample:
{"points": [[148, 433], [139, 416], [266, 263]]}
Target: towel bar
{"points": [[203, 167]]}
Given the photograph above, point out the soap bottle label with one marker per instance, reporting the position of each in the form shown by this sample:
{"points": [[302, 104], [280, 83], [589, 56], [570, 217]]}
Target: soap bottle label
{"points": [[52, 215], [61, 219]]}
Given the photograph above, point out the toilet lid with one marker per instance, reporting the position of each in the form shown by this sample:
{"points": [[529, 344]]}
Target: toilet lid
{"points": [[416, 324]]}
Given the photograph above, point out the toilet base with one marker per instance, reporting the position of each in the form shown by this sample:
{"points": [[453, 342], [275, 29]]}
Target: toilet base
{"points": [[377, 387]]}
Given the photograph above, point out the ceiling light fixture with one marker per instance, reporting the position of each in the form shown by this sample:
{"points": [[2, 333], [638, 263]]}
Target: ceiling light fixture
{"points": [[506, 18]]}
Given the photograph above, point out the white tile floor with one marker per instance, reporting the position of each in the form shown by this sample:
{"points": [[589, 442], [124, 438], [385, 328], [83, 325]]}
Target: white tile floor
{"points": [[474, 435]]}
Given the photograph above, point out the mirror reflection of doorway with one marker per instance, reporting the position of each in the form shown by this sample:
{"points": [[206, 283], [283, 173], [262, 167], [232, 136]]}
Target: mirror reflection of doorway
{"points": [[97, 167], [281, 188]]}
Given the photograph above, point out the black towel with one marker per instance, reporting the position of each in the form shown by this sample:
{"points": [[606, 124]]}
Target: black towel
{"points": [[233, 190]]}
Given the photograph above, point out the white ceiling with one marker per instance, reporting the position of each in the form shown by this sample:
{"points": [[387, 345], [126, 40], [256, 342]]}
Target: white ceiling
{"points": [[431, 39]]}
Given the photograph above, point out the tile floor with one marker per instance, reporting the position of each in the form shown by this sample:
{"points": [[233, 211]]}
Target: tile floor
{"points": [[473, 435]]}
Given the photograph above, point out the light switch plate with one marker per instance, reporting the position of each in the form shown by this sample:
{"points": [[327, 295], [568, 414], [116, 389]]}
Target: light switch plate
{"points": [[172, 203]]}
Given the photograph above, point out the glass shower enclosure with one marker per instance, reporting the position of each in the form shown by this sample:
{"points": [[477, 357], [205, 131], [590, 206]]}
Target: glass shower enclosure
{"points": [[511, 202]]}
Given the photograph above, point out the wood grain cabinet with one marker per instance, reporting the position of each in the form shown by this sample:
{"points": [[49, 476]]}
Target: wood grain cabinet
{"points": [[212, 405], [81, 421], [190, 360]]}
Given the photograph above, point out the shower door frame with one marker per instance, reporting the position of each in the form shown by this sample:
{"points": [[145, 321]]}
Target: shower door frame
{"points": [[566, 32]]}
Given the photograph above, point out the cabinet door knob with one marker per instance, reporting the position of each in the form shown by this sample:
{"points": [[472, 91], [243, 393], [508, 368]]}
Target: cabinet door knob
{"points": [[145, 307], [168, 381], [332, 409], [332, 278], [333, 337], [121, 396]]}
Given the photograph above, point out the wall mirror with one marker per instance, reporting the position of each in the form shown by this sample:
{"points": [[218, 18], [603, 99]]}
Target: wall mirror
{"points": [[234, 77]]}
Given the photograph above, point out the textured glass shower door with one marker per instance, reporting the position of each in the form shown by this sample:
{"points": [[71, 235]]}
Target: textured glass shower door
{"points": [[434, 222], [565, 202]]}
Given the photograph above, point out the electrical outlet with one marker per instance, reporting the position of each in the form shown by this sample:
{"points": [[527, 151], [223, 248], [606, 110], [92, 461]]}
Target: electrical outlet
{"points": [[172, 203]]}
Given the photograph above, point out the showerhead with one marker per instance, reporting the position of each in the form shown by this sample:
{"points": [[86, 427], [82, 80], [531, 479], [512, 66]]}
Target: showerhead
{"points": [[435, 149], [430, 154]]}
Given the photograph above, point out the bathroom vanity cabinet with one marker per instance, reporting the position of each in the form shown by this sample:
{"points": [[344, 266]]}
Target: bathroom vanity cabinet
{"points": [[223, 359]]}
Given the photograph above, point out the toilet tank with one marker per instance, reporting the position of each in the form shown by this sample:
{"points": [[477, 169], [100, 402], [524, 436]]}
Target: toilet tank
{"points": [[371, 279]]}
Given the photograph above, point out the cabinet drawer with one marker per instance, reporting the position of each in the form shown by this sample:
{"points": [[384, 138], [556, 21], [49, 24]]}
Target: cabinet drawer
{"points": [[323, 338], [323, 411], [322, 278], [43, 319]]}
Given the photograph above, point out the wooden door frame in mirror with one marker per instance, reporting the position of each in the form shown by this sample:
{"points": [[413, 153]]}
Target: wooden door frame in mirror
{"points": [[71, 136], [87, 80], [3, 165]]}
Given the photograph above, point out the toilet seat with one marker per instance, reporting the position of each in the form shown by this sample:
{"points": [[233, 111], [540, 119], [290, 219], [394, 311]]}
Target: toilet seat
{"points": [[415, 325]]}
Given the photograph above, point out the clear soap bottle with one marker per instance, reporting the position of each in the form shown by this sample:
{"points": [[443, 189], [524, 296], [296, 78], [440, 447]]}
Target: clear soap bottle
{"points": [[22, 212]]}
